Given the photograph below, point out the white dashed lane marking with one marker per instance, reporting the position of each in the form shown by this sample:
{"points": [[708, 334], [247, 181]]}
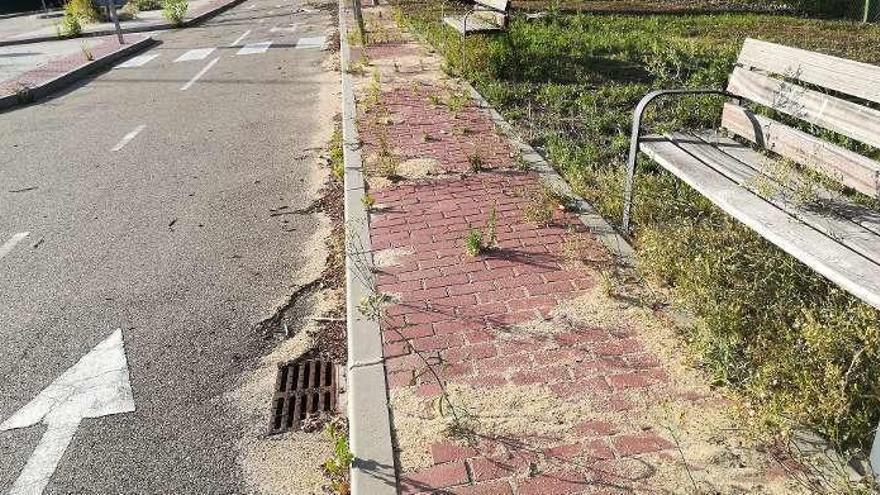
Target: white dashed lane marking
{"points": [[241, 38], [314, 42], [199, 75], [138, 61], [10, 244], [128, 137], [290, 29], [196, 54], [252, 48]]}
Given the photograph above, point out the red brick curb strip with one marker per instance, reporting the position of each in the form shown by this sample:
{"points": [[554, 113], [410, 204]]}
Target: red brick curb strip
{"points": [[42, 82]]}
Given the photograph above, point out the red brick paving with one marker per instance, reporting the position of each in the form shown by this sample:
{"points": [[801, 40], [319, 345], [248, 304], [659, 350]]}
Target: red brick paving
{"points": [[415, 127], [459, 308]]}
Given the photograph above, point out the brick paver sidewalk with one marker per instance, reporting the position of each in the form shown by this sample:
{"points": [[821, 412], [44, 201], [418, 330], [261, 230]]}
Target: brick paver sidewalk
{"points": [[552, 385]]}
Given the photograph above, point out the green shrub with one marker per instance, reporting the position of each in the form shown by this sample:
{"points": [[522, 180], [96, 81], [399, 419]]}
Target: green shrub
{"points": [[174, 11], [82, 10], [70, 26]]}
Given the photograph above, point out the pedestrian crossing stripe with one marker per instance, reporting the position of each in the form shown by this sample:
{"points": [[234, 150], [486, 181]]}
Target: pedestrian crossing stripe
{"points": [[313, 42], [196, 54], [252, 48], [138, 61]]}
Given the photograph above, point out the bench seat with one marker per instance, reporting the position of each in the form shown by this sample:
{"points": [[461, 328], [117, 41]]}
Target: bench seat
{"points": [[475, 24], [833, 236]]}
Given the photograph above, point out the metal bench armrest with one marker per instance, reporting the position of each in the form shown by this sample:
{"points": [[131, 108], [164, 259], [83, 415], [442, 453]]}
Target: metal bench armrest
{"points": [[636, 132]]}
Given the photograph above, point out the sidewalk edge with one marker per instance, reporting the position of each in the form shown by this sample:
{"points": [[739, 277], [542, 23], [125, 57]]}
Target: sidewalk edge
{"points": [[373, 470], [595, 223], [81, 72]]}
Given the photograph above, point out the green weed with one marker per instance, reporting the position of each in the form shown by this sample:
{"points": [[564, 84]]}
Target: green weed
{"points": [[473, 242], [174, 11], [337, 467], [336, 155], [368, 201]]}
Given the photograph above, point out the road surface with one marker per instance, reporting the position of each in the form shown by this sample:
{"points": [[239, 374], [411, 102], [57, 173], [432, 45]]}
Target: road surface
{"points": [[159, 198]]}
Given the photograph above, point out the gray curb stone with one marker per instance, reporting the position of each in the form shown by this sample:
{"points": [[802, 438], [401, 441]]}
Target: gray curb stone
{"points": [[68, 78], [373, 471]]}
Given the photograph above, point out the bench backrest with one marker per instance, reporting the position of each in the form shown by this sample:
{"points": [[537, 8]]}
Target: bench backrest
{"points": [[499, 5], [826, 92]]}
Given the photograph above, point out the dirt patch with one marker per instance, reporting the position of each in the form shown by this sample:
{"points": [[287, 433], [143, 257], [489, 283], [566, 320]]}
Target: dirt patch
{"points": [[509, 410], [390, 257], [419, 168]]}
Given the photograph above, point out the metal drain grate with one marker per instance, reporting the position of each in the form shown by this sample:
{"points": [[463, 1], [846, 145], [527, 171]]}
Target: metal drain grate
{"points": [[303, 388]]}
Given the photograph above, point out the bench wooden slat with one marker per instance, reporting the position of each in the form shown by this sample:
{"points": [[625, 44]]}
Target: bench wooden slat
{"points": [[850, 119], [862, 215], [745, 172], [846, 268], [474, 24], [846, 76], [849, 168], [499, 5]]}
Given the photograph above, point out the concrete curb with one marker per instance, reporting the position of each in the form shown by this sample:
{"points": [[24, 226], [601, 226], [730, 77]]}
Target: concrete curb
{"points": [[140, 29], [616, 244], [68, 78], [373, 471]]}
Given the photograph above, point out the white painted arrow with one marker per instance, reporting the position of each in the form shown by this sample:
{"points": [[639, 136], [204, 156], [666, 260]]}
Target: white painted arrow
{"points": [[97, 385]]}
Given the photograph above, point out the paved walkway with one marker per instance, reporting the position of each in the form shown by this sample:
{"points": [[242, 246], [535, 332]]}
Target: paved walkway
{"points": [[520, 369]]}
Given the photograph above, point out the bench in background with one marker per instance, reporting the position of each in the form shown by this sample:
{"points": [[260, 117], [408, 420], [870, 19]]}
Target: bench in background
{"points": [[485, 16]]}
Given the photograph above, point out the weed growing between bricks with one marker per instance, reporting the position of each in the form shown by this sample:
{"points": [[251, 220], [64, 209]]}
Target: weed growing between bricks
{"points": [[800, 352]]}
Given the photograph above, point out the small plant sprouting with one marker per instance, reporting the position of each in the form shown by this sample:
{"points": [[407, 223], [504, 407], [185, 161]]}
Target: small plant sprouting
{"points": [[492, 228], [456, 101], [86, 51], [473, 243], [337, 467], [374, 92], [337, 157], [386, 164], [373, 305], [368, 201], [541, 203], [435, 100], [476, 162], [462, 131]]}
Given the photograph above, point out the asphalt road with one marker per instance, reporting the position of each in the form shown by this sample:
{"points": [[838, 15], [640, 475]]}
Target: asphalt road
{"points": [[168, 236]]}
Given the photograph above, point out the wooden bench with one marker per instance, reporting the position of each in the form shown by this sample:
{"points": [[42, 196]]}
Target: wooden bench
{"points": [[485, 16], [831, 234]]}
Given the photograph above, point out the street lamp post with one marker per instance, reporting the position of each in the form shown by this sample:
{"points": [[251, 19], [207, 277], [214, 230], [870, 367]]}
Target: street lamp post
{"points": [[112, 7]]}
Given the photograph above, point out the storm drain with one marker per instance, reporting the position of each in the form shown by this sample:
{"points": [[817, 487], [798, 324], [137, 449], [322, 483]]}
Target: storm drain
{"points": [[303, 388]]}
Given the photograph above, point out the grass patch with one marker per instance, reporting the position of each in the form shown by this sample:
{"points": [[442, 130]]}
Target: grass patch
{"points": [[801, 351]]}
